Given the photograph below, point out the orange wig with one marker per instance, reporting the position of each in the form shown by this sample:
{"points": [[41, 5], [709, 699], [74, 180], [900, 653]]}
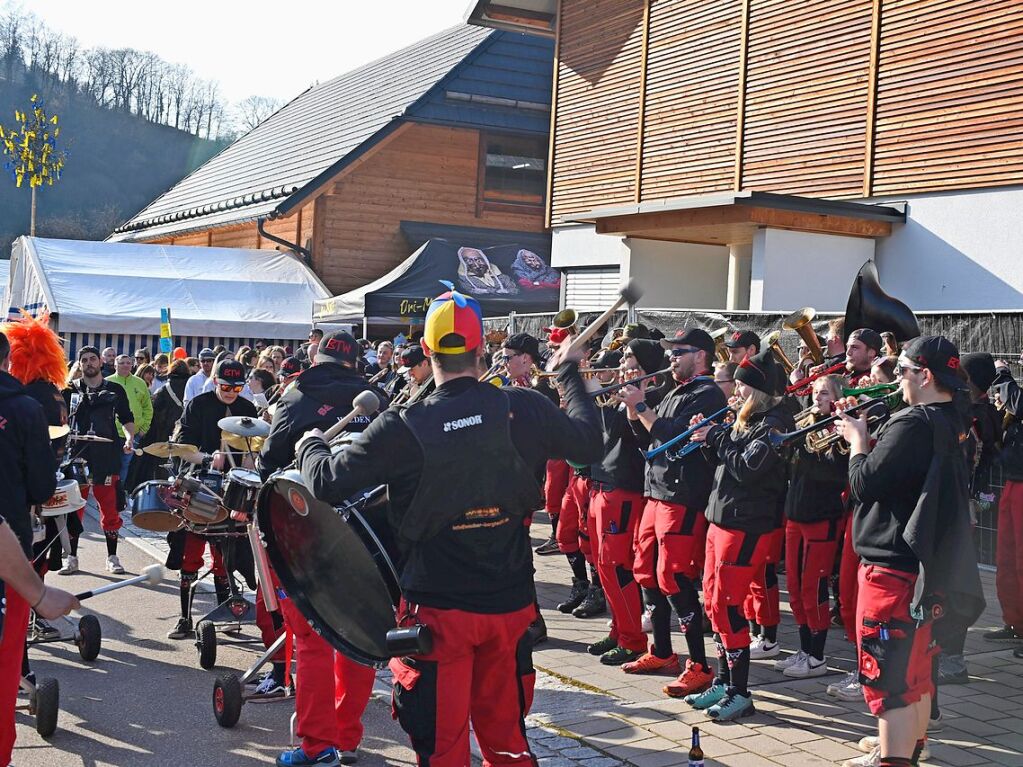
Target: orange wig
{"points": [[36, 351]]}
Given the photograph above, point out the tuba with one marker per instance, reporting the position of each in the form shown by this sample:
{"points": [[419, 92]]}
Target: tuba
{"points": [[870, 307], [800, 321], [772, 341]]}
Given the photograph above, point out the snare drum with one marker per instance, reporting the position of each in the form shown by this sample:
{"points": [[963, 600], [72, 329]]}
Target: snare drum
{"points": [[149, 510], [197, 497], [240, 490]]}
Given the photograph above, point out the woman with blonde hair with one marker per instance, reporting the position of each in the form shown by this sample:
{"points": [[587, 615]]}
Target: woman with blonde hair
{"points": [[744, 512]]}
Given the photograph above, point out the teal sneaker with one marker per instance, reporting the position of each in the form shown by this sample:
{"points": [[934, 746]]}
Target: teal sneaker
{"points": [[734, 706], [299, 758], [709, 697], [618, 656], [604, 645]]}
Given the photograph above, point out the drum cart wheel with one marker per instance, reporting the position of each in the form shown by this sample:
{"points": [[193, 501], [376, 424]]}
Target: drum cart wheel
{"points": [[206, 643], [44, 705], [89, 638], [227, 700]]}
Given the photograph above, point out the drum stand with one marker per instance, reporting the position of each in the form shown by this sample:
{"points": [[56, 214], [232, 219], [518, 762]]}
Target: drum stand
{"points": [[228, 617], [229, 694]]}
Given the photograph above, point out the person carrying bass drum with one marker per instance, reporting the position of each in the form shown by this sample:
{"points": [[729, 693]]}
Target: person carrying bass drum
{"points": [[749, 485], [461, 470], [331, 691]]}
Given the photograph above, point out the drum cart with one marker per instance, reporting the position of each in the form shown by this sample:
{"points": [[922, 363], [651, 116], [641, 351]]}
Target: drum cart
{"points": [[229, 693], [86, 635], [43, 703]]}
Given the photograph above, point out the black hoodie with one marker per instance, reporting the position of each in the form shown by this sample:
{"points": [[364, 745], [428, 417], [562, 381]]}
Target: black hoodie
{"points": [[28, 468], [319, 398]]}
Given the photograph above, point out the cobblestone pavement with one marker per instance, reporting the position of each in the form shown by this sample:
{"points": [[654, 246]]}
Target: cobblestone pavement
{"points": [[593, 715]]}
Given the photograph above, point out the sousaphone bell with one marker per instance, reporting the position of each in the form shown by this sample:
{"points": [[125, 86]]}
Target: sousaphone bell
{"points": [[870, 307]]}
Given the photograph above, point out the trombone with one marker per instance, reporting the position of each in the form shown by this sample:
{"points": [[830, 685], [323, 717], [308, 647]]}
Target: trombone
{"points": [[494, 376], [801, 387], [631, 382], [772, 341]]}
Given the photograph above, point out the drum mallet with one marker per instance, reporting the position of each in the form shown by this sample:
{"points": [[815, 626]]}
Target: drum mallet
{"points": [[629, 294], [151, 575], [364, 403]]}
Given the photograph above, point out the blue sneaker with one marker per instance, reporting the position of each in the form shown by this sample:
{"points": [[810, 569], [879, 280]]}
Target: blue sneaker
{"points": [[734, 706], [299, 758], [709, 697]]}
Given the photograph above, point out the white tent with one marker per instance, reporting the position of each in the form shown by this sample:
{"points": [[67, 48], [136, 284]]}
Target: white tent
{"points": [[110, 294]]}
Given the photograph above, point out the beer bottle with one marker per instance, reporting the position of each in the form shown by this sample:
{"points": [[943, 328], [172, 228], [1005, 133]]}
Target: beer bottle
{"points": [[695, 752]]}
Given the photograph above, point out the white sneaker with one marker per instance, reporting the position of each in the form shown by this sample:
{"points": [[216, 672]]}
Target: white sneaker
{"points": [[114, 565], [871, 742], [791, 660], [870, 759], [936, 725], [809, 666], [848, 688], [764, 649], [648, 625], [70, 566]]}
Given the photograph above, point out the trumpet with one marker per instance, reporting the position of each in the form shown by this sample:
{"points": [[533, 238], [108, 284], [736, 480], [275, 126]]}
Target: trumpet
{"points": [[772, 341], [632, 381], [802, 386], [785, 440], [586, 372]]}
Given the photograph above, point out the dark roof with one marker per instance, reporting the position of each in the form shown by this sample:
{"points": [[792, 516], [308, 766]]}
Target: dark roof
{"points": [[464, 75], [417, 233]]}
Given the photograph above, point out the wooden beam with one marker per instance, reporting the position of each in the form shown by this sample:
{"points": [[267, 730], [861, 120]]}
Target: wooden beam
{"points": [[674, 219], [875, 55], [298, 227], [642, 101], [740, 107], [819, 222], [554, 121]]}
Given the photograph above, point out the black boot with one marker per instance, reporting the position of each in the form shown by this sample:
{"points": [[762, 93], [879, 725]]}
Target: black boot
{"points": [[593, 605], [537, 630], [579, 590], [222, 587]]}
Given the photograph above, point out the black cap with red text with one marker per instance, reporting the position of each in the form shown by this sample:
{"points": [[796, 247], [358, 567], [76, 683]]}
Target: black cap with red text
{"points": [[743, 339], [940, 356], [338, 346], [230, 372]]}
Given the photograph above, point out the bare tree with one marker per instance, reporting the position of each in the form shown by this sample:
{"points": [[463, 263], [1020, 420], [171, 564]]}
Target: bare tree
{"points": [[254, 110]]}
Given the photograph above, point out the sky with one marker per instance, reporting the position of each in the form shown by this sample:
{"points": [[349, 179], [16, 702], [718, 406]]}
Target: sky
{"points": [[274, 49]]}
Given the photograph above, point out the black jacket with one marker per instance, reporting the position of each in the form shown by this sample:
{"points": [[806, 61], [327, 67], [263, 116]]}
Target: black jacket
{"points": [[480, 577], [28, 468], [320, 396], [749, 484], [983, 444], [1011, 455], [199, 421], [622, 467], [168, 403], [816, 482], [686, 482], [98, 409]]}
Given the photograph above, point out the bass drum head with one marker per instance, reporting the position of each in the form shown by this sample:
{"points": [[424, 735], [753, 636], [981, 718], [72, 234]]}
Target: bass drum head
{"points": [[332, 565], [148, 509]]}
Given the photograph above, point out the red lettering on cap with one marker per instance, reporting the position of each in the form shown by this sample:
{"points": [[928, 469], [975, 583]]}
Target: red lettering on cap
{"points": [[336, 344], [736, 335], [953, 362]]}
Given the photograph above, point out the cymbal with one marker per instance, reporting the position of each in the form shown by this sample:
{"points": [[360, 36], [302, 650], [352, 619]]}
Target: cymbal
{"points": [[88, 437], [244, 426], [56, 432], [170, 449], [242, 443]]}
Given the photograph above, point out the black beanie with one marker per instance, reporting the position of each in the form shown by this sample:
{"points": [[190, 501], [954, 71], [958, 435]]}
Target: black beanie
{"points": [[759, 372], [980, 367], [649, 354]]}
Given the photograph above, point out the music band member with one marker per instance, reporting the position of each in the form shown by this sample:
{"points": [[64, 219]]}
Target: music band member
{"points": [[617, 505], [96, 406], [199, 426], [813, 509], [861, 349], [912, 516], [724, 377], [673, 530], [416, 366], [331, 690], [747, 494], [28, 471], [742, 344], [460, 468]]}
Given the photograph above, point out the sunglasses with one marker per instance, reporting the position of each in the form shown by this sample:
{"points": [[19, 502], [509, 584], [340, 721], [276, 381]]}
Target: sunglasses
{"points": [[900, 369], [236, 388], [510, 357], [681, 352]]}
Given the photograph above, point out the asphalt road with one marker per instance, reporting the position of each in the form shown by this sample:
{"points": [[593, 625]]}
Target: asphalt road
{"points": [[145, 701]]}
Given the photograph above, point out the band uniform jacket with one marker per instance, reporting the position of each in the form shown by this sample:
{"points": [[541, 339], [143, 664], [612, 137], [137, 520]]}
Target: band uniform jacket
{"points": [[99, 410]]}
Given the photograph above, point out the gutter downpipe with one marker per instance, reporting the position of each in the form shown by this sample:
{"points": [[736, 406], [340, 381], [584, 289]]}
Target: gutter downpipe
{"points": [[307, 255]]}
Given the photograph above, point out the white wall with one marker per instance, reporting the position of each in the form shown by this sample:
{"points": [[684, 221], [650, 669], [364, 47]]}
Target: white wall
{"points": [[580, 245], [794, 269], [677, 275], [957, 250]]}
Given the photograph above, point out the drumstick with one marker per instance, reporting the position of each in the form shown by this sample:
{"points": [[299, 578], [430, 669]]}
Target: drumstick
{"points": [[364, 403], [629, 294], [151, 575]]}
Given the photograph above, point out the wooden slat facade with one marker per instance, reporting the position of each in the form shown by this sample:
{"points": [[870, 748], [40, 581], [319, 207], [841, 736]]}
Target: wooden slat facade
{"points": [[420, 173], [825, 98]]}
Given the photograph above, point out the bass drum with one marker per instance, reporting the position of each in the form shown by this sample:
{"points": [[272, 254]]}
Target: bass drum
{"points": [[333, 564]]}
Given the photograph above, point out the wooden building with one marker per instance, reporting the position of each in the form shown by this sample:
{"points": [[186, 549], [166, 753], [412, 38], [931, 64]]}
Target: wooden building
{"points": [[751, 154], [449, 134]]}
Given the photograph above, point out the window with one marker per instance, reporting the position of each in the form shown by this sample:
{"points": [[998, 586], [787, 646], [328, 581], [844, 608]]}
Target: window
{"points": [[514, 170]]}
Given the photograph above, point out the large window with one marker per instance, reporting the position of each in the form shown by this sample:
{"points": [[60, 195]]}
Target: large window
{"points": [[513, 170]]}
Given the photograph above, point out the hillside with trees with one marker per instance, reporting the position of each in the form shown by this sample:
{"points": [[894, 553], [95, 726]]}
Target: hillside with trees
{"points": [[133, 124]]}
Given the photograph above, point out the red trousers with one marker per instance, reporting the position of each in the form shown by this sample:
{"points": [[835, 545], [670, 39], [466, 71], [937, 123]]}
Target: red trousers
{"points": [[810, 549], [733, 559], [331, 690], [192, 559], [1009, 555], [12, 646], [105, 494], [480, 669], [616, 518], [671, 544], [848, 581], [555, 485], [574, 522], [763, 602]]}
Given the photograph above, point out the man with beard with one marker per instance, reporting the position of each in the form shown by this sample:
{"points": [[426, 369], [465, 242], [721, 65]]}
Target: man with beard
{"points": [[96, 405], [477, 275]]}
